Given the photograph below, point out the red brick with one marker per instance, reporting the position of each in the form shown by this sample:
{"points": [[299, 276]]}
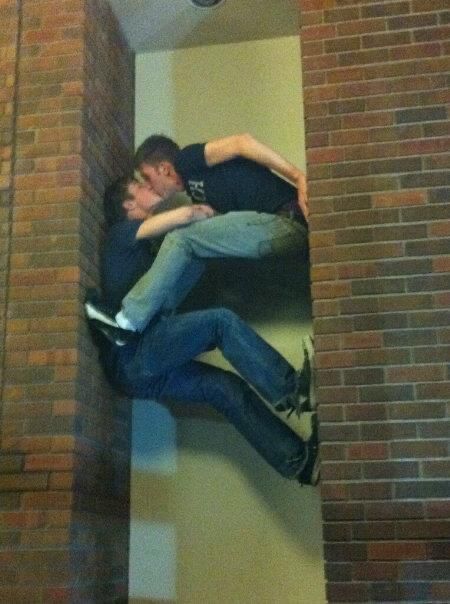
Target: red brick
{"points": [[415, 374], [337, 531], [61, 481], [335, 359], [365, 412], [394, 510], [396, 199], [375, 571], [49, 462], [333, 491], [397, 551], [347, 592], [19, 520], [23, 482], [441, 591], [319, 63], [368, 450], [331, 290], [362, 340], [47, 501], [316, 5], [416, 410], [332, 451], [418, 449], [437, 509], [331, 413], [345, 551], [346, 74], [318, 32], [373, 530]]}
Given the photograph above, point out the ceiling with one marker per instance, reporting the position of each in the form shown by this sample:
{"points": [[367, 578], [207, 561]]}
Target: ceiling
{"points": [[152, 25]]}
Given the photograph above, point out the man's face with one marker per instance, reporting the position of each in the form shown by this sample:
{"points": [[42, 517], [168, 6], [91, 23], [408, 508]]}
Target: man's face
{"points": [[144, 200], [161, 178]]}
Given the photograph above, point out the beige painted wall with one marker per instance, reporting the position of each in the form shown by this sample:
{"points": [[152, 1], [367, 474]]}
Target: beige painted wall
{"points": [[196, 94], [211, 522]]}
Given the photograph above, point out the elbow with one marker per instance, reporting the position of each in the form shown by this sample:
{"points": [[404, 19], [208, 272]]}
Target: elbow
{"points": [[243, 142]]}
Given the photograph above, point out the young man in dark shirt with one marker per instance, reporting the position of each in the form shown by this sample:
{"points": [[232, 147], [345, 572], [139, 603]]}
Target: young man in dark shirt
{"points": [[158, 363]]}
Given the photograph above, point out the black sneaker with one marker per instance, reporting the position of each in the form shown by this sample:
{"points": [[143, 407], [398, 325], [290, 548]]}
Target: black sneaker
{"points": [[116, 335], [303, 397], [311, 472], [305, 376]]}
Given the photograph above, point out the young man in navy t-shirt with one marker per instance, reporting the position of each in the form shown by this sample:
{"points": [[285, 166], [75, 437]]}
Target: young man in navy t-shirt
{"points": [[256, 212]]}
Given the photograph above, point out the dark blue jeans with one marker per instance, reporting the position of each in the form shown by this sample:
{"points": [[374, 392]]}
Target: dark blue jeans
{"points": [[160, 366]]}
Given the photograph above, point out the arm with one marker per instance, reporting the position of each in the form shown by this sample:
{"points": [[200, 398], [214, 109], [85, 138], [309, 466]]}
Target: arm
{"points": [[244, 145], [172, 219]]}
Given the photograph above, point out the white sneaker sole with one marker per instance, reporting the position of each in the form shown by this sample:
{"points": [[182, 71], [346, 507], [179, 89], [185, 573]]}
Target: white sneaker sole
{"points": [[98, 315]]}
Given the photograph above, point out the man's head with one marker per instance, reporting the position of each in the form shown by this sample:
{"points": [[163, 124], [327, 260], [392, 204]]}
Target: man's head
{"points": [[129, 199], [155, 160]]}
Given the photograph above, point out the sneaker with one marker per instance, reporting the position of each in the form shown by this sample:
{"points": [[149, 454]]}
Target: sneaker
{"points": [[305, 379], [98, 312], [310, 473], [115, 335]]}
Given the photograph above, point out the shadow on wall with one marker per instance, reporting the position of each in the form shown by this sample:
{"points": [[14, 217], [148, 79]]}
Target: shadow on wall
{"points": [[257, 290]]}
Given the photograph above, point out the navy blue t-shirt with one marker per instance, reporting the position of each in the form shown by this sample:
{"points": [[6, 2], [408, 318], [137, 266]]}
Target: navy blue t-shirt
{"points": [[236, 184], [124, 260]]}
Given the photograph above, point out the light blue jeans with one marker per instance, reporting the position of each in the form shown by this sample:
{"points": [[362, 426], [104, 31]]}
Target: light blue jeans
{"points": [[180, 260]]}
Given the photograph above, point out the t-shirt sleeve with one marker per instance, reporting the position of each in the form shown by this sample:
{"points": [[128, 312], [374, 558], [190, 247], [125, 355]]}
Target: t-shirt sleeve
{"points": [[191, 159]]}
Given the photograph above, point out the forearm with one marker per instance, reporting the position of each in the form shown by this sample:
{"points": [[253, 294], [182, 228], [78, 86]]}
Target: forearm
{"points": [[172, 219], [245, 145], [257, 151], [164, 222], [272, 160]]}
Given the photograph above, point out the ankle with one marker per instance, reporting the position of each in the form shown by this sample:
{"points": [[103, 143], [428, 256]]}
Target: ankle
{"points": [[123, 322]]}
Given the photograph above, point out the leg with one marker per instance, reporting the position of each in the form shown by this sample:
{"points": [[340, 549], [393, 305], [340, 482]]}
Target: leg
{"points": [[175, 340], [178, 266], [196, 382]]}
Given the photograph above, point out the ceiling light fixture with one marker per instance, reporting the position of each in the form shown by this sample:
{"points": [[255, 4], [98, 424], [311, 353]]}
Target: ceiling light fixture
{"points": [[206, 3]]}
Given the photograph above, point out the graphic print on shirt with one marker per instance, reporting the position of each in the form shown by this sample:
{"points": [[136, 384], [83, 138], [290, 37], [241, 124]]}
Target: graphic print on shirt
{"points": [[197, 190]]}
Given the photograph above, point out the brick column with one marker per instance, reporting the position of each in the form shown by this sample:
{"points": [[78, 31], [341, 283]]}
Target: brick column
{"points": [[8, 56], [64, 465], [376, 107]]}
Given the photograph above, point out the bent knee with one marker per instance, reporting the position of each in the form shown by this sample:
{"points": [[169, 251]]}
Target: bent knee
{"points": [[225, 315], [174, 237], [226, 318]]}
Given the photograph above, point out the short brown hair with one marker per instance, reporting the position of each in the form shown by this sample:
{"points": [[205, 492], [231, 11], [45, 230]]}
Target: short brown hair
{"points": [[154, 149], [113, 199]]}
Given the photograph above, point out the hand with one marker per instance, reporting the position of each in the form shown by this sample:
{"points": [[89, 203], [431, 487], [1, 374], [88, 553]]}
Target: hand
{"points": [[200, 212], [302, 188]]}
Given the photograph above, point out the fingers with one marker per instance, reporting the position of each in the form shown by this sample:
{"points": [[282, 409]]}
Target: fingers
{"points": [[203, 210]]}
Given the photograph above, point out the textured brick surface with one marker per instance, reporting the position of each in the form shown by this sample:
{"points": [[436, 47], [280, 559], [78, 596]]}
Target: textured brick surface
{"points": [[66, 107], [376, 111], [9, 30]]}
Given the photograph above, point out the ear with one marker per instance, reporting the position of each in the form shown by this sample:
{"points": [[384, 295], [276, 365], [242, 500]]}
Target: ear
{"points": [[166, 167], [129, 205]]}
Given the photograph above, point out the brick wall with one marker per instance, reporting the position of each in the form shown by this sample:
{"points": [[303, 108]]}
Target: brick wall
{"points": [[64, 464], [376, 107], [8, 57]]}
